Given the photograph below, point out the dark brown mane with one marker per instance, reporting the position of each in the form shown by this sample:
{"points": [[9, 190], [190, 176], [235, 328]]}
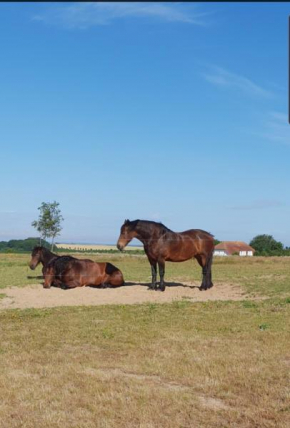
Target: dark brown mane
{"points": [[45, 251], [60, 263], [149, 224]]}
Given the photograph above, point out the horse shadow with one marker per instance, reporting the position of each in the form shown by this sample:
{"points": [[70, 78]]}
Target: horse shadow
{"points": [[167, 284], [126, 284]]}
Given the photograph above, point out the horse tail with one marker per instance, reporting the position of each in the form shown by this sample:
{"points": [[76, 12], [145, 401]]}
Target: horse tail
{"points": [[115, 275]]}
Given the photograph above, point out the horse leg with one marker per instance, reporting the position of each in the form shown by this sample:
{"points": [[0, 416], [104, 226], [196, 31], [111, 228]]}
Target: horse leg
{"points": [[71, 284], [208, 271], [201, 258], [205, 262], [62, 286], [153, 285], [49, 278], [161, 265]]}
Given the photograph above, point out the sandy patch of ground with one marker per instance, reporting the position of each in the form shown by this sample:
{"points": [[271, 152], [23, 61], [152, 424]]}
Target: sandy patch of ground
{"points": [[35, 296]]}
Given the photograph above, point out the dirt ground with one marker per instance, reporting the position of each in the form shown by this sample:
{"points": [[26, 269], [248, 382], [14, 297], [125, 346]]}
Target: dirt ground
{"points": [[35, 296]]}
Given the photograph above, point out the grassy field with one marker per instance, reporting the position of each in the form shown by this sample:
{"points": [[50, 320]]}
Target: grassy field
{"points": [[267, 276], [213, 364]]}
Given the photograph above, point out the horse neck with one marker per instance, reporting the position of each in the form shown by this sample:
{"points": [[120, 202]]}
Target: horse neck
{"points": [[145, 232], [46, 257]]}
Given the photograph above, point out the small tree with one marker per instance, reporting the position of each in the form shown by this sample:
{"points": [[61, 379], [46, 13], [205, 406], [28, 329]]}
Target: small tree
{"points": [[49, 221]]}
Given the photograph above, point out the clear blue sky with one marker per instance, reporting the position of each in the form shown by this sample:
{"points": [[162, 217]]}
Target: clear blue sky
{"points": [[170, 112]]}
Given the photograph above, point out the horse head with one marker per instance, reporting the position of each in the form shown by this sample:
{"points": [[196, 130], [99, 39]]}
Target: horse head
{"points": [[36, 257], [128, 232]]}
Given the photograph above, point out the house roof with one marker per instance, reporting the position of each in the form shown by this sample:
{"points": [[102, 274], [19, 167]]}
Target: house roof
{"points": [[231, 247]]}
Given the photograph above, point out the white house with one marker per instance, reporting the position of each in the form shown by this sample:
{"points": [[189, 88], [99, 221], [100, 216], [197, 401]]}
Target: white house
{"points": [[228, 248]]}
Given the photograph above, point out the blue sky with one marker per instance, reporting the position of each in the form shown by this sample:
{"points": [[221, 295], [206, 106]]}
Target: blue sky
{"points": [[174, 112]]}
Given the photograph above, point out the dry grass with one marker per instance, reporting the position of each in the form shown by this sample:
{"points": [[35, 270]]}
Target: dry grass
{"points": [[212, 364], [218, 364]]}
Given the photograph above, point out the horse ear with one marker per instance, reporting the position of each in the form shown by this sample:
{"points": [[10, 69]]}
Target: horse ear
{"points": [[126, 221]]}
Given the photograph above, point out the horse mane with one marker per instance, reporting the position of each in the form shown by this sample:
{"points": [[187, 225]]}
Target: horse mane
{"points": [[59, 264], [43, 249], [148, 223]]}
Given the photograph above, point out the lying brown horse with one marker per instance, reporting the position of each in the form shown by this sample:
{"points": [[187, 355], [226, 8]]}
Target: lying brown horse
{"points": [[162, 244], [41, 255], [69, 272]]}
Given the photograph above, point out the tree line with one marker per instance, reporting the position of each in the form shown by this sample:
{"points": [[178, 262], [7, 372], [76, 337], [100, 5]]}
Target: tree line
{"points": [[21, 245]]}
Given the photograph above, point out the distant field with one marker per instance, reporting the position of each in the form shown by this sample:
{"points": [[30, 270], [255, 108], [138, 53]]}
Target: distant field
{"points": [[80, 247]]}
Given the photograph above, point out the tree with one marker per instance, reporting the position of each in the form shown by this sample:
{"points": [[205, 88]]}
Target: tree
{"points": [[266, 244], [49, 221]]}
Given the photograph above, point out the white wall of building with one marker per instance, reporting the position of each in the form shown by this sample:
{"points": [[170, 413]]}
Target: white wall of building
{"points": [[241, 253], [219, 253]]}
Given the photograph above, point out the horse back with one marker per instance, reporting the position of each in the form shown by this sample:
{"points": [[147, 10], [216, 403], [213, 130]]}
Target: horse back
{"points": [[197, 234]]}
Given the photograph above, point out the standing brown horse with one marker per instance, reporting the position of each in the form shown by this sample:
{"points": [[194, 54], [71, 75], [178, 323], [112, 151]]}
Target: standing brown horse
{"points": [[162, 244], [69, 272]]}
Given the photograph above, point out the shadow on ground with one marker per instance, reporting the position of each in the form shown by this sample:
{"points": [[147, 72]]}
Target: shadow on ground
{"points": [[127, 284], [167, 284]]}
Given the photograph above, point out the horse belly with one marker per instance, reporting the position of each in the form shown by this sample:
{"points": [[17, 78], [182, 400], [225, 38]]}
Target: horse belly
{"points": [[71, 281], [80, 275], [178, 258], [180, 253], [95, 275]]}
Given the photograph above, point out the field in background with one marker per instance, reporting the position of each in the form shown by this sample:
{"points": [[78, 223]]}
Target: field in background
{"points": [[203, 365], [80, 247]]}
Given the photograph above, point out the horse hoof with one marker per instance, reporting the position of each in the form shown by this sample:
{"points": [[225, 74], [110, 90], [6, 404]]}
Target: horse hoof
{"points": [[105, 285]]}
